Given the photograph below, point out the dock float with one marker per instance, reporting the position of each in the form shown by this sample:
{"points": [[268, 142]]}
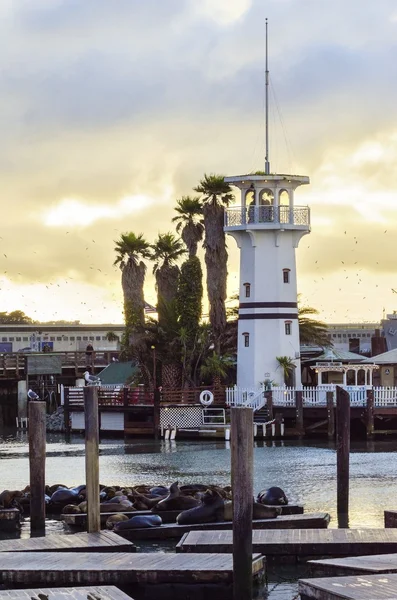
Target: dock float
{"points": [[168, 516], [104, 541], [369, 587], [175, 531], [109, 592], [66, 569], [298, 543], [354, 565]]}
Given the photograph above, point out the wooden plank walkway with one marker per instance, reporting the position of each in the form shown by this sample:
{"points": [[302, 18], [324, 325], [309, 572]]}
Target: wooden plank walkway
{"points": [[168, 516], [298, 542], [354, 565], [366, 587], [62, 569], [105, 541], [109, 592], [176, 531]]}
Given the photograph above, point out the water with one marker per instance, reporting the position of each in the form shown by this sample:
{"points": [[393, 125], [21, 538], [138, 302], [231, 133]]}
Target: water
{"points": [[306, 471]]}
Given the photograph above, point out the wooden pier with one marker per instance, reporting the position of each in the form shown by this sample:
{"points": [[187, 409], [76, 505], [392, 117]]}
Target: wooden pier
{"points": [[354, 565], [10, 519], [105, 541], [298, 543], [175, 531], [109, 592], [66, 569], [368, 587]]}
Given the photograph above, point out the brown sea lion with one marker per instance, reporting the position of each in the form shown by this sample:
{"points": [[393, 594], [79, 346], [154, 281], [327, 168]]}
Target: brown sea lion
{"points": [[71, 509], [7, 497], [206, 512], [259, 511], [176, 501], [115, 519], [148, 502]]}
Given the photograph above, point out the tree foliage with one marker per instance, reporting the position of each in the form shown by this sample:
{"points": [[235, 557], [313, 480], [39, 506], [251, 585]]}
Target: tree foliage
{"points": [[15, 317], [189, 221]]}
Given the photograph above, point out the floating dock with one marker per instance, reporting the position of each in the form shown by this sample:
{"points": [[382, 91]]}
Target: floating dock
{"points": [[66, 569], [369, 587], [355, 565], [109, 592], [298, 543], [175, 531], [104, 541]]}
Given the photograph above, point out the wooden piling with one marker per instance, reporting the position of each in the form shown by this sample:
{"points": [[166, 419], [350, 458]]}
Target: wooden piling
{"points": [[342, 451], [156, 413], [242, 449], [269, 404], [330, 415], [37, 445], [370, 414], [299, 412], [92, 458], [66, 409]]}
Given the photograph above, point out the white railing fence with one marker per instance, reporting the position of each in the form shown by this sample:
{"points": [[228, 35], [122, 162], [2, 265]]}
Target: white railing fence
{"points": [[385, 396]]}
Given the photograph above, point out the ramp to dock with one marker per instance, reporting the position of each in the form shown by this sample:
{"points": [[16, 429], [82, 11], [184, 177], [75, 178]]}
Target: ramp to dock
{"points": [[109, 592], [369, 587], [104, 541], [65, 568], [298, 542], [175, 531]]}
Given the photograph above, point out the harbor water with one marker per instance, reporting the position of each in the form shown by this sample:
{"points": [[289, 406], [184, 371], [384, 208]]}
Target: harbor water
{"points": [[305, 470]]}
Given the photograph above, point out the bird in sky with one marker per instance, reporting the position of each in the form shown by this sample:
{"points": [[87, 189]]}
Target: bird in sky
{"points": [[394, 291]]}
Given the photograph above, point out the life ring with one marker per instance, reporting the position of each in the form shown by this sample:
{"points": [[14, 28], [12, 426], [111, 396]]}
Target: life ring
{"points": [[206, 398]]}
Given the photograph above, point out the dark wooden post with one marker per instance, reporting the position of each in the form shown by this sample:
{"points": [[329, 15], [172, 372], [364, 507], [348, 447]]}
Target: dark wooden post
{"points": [[342, 454], [66, 409], [330, 414], [156, 413], [370, 414], [92, 458], [125, 397], [242, 453], [299, 412], [269, 398], [37, 442]]}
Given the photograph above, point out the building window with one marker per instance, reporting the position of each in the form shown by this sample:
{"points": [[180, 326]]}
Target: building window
{"points": [[91, 338], [78, 338], [85, 338], [104, 337], [52, 338], [286, 273], [65, 338], [18, 339], [11, 339], [59, 339], [287, 325], [98, 338], [25, 339], [246, 339], [3, 339], [247, 289]]}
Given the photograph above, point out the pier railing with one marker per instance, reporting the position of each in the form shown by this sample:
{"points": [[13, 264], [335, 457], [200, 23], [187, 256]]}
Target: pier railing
{"points": [[238, 216], [15, 362]]}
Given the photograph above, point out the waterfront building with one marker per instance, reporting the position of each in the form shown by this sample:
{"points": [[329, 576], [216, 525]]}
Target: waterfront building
{"points": [[353, 337]]}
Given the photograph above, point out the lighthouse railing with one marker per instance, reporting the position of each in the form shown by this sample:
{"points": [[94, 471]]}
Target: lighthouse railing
{"points": [[237, 216]]}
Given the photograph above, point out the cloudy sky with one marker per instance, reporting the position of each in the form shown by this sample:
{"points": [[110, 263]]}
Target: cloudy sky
{"points": [[109, 111]]}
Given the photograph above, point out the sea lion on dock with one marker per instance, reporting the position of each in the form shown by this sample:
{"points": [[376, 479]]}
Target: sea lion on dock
{"points": [[113, 519], [139, 522], [273, 496], [7, 497], [64, 496], [71, 509], [259, 511], [206, 512], [140, 500], [176, 501]]}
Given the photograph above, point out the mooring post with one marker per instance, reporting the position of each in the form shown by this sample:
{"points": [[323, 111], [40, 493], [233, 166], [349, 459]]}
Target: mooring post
{"points": [[269, 404], [92, 458], [242, 454], [370, 414], [299, 412], [37, 443], [66, 410], [156, 413], [330, 414], [342, 454]]}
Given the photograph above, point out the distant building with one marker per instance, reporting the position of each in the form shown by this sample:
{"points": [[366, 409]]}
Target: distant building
{"points": [[353, 337]]}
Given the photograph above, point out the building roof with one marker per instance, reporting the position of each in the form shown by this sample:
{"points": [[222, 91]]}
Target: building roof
{"points": [[117, 373], [386, 358], [335, 354]]}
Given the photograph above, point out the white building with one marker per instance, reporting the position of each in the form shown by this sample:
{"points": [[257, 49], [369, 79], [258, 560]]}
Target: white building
{"points": [[353, 337], [267, 228]]}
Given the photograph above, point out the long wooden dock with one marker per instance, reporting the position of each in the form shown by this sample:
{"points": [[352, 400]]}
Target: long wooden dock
{"points": [[168, 516], [104, 541], [108, 592], [298, 543], [49, 568], [368, 587], [354, 565], [174, 531]]}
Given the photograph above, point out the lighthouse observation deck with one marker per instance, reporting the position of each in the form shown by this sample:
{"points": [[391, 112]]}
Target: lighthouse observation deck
{"points": [[267, 217]]}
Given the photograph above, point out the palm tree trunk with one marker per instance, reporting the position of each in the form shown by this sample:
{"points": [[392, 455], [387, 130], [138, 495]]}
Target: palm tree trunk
{"points": [[167, 286], [132, 281]]}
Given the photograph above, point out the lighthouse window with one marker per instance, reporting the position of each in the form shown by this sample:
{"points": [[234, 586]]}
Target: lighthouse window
{"points": [[287, 327], [286, 275], [247, 290], [246, 339]]}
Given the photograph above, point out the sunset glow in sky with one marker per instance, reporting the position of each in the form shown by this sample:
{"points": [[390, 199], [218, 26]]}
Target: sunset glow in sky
{"points": [[110, 111]]}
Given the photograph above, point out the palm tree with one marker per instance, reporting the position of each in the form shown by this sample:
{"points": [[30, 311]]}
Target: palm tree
{"points": [[131, 249], [166, 250], [216, 367], [216, 195], [112, 337], [287, 365], [190, 221], [312, 331]]}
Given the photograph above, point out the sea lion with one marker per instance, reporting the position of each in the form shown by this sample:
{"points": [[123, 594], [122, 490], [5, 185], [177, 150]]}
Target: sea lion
{"points": [[206, 512], [64, 496], [116, 507], [55, 487], [159, 490], [8, 496], [71, 509], [259, 511], [113, 519], [139, 522], [147, 502], [273, 496], [176, 501]]}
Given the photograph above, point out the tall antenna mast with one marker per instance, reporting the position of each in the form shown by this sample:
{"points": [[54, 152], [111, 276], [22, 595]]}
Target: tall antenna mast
{"points": [[267, 163]]}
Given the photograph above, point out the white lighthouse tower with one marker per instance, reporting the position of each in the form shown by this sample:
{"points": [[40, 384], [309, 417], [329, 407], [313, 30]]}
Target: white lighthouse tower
{"points": [[267, 227]]}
